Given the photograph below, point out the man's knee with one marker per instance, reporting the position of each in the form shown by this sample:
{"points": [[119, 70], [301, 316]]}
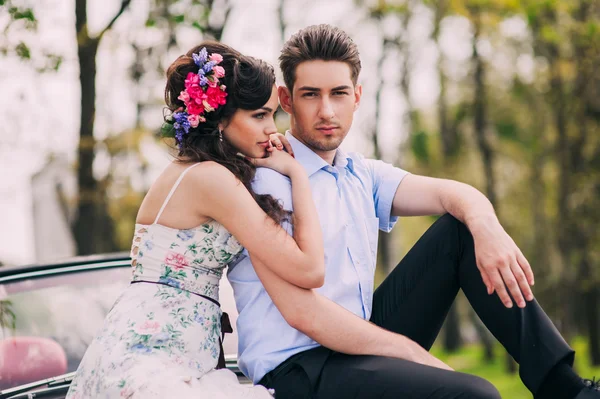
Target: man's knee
{"points": [[449, 221], [479, 388], [452, 226]]}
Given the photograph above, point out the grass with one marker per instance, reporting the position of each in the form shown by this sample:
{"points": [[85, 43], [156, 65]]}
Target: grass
{"points": [[469, 360]]}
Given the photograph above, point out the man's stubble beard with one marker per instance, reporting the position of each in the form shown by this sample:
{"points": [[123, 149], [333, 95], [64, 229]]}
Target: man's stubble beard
{"points": [[325, 145]]}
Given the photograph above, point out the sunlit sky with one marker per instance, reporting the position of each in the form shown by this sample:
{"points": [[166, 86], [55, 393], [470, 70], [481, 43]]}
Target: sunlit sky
{"points": [[41, 111]]}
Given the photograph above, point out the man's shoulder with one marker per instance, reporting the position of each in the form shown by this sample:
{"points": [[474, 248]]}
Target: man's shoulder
{"points": [[267, 176], [268, 181]]}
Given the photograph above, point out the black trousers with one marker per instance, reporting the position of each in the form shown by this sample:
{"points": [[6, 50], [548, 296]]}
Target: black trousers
{"points": [[414, 301]]}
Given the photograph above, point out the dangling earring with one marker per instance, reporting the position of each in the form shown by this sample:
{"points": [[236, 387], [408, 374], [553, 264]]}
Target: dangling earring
{"points": [[220, 135]]}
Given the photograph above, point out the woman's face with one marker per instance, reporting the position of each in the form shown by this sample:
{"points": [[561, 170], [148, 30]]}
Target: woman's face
{"points": [[248, 131]]}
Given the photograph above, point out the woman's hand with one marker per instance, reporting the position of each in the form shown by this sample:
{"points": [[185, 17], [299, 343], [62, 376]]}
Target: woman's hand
{"points": [[279, 161], [280, 142]]}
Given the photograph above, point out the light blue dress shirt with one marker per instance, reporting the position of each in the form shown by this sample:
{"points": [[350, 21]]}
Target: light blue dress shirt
{"points": [[354, 200]]}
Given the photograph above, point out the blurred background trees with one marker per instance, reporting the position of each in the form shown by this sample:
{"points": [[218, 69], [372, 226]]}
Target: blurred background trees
{"points": [[512, 107]]}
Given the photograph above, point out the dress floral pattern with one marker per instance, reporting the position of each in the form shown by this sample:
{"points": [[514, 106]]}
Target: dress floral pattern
{"points": [[161, 340]]}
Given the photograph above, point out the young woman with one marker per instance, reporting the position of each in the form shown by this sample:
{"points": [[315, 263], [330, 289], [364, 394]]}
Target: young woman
{"points": [[161, 339]]}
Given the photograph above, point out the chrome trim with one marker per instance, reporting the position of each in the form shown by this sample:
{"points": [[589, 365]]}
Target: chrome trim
{"points": [[62, 270], [60, 379]]}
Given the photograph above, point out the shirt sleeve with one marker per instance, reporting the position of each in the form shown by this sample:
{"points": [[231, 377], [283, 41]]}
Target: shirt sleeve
{"points": [[386, 179], [267, 181]]}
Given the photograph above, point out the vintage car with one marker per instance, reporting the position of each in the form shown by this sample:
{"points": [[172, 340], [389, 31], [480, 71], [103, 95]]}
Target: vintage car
{"points": [[49, 314]]}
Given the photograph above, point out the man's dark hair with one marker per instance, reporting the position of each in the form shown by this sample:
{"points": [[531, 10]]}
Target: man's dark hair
{"points": [[318, 42]]}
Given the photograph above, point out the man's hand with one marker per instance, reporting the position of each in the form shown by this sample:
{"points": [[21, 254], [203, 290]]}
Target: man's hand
{"points": [[501, 262]]}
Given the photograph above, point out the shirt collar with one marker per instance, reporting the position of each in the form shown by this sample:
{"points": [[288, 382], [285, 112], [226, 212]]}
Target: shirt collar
{"points": [[311, 161]]}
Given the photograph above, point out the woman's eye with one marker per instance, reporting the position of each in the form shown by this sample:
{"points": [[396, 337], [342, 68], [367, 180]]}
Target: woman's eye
{"points": [[260, 116]]}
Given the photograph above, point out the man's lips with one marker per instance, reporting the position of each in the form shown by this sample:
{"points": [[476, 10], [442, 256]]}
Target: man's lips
{"points": [[327, 129]]}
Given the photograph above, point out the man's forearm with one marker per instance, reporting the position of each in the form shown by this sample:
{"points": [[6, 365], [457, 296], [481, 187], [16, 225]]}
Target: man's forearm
{"points": [[466, 203]]}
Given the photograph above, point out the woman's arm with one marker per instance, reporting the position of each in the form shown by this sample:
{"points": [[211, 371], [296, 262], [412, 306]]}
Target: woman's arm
{"points": [[298, 260]]}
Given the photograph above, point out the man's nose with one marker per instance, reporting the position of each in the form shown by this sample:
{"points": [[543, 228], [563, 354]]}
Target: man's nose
{"points": [[326, 110]]}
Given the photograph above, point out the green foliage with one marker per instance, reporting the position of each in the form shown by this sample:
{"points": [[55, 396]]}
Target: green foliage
{"points": [[23, 51], [470, 360], [508, 130], [25, 13], [420, 146], [8, 319]]}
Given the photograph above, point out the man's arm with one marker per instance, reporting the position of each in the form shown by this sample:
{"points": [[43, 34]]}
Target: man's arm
{"points": [[499, 259]]}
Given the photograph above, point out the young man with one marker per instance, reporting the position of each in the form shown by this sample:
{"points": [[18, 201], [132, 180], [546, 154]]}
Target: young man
{"points": [[344, 340]]}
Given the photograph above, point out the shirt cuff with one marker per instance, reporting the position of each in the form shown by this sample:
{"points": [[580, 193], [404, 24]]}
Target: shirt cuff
{"points": [[388, 189]]}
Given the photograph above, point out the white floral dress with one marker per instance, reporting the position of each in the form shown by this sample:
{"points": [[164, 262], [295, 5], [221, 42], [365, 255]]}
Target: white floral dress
{"points": [[161, 338]]}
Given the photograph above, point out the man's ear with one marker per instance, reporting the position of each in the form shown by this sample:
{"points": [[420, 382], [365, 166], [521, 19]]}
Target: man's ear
{"points": [[357, 96], [285, 99]]}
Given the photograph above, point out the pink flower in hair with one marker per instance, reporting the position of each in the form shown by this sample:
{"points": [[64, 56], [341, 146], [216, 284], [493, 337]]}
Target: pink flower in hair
{"points": [[194, 120], [184, 96], [207, 106], [219, 71], [193, 108], [213, 82], [196, 93], [215, 96], [192, 79], [216, 57]]}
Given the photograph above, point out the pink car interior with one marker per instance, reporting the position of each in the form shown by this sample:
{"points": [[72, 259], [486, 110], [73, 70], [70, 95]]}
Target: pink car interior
{"points": [[26, 359]]}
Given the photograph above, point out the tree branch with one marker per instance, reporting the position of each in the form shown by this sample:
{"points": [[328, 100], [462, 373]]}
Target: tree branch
{"points": [[124, 5]]}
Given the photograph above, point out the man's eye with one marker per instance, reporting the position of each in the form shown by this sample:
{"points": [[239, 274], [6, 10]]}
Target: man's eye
{"points": [[340, 93], [309, 94]]}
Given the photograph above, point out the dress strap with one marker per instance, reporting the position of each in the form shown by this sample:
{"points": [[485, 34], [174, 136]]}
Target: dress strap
{"points": [[162, 208]]}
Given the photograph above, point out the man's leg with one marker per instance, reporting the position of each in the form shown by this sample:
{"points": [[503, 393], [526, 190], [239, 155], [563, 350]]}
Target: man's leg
{"points": [[323, 374], [415, 298], [377, 377]]}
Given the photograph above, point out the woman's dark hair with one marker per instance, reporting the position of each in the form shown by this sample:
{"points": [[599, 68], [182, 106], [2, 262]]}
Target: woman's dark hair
{"points": [[249, 83]]}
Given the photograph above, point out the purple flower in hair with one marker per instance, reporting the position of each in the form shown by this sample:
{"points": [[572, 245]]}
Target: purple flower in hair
{"points": [[201, 57], [181, 125], [203, 80], [209, 66]]}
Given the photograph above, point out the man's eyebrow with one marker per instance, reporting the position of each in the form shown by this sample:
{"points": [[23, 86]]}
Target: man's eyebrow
{"points": [[337, 88], [308, 88], [343, 87]]}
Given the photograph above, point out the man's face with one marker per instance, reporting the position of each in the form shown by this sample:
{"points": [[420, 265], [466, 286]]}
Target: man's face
{"points": [[322, 104]]}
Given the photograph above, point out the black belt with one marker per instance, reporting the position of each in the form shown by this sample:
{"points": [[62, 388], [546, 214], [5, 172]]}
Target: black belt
{"points": [[225, 322]]}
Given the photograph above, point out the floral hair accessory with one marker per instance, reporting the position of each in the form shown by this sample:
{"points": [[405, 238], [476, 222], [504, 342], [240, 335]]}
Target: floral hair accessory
{"points": [[202, 94]]}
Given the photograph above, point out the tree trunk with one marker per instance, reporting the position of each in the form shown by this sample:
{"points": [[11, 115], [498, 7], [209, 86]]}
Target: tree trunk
{"points": [[449, 136], [480, 117], [452, 337], [86, 223], [592, 304], [479, 127], [485, 337], [92, 227], [580, 167]]}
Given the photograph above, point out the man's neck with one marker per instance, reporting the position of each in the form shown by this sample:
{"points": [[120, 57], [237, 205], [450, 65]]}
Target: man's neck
{"points": [[327, 156]]}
